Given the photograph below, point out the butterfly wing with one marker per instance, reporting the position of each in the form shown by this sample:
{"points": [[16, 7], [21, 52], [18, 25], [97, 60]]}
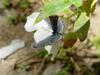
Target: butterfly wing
{"points": [[41, 38], [44, 36], [30, 26]]}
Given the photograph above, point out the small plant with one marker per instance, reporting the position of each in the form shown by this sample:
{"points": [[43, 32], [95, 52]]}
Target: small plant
{"points": [[66, 70], [24, 67], [41, 53], [24, 4], [6, 3], [12, 19], [60, 14], [96, 42], [50, 26]]}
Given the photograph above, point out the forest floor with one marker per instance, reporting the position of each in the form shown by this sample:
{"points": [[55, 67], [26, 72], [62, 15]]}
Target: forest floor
{"points": [[32, 64]]}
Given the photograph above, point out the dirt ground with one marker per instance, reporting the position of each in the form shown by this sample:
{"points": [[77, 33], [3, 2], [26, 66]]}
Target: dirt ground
{"points": [[10, 32]]}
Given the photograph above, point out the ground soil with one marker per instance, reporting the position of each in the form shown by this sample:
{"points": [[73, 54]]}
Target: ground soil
{"points": [[10, 32]]}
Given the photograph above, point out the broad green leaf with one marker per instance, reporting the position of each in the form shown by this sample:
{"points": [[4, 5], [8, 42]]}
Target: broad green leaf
{"points": [[69, 39], [81, 20], [53, 7], [77, 3], [45, 1], [93, 6], [93, 3], [83, 31], [70, 35]]}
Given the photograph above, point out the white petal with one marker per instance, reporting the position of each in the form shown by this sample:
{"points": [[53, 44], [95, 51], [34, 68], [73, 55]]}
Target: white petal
{"points": [[53, 49], [48, 48]]}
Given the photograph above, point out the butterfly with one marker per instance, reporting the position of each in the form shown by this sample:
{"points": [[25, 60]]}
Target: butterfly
{"points": [[48, 31], [57, 28]]}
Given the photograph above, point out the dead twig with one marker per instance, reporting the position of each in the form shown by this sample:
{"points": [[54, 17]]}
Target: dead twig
{"points": [[41, 68], [75, 64]]}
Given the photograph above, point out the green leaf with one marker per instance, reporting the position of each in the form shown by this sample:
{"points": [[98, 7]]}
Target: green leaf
{"points": [[40, 53], [81, 21], [45, 1], [89, 6], [77, 3], [53, 7], [6, 3], [83, 31], [69, 39], [70, 36], [93, 6]]}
